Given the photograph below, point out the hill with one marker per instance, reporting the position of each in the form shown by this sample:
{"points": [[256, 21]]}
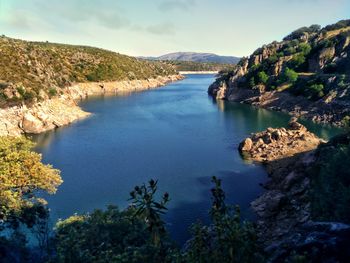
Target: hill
{"points": [[199, 66], [306, 74], [197, 57], [30, 70]]}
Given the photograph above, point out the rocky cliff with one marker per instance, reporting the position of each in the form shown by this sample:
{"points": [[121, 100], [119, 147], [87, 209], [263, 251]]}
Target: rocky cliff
{"points": [[306, 177], [306, 75], [63, 109]]}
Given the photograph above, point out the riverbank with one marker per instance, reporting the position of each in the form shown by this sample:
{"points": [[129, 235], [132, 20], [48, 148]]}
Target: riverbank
{"points": [[290, 219], [329, 110], [197, 72], [64, 109]]}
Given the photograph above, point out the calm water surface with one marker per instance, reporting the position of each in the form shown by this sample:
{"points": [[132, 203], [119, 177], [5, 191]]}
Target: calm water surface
{"points": [[176, 134]]}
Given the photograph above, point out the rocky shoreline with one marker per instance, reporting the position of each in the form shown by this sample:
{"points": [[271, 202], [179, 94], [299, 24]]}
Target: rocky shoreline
{"points": [[285, 225], [64, 109], [329, 110]]}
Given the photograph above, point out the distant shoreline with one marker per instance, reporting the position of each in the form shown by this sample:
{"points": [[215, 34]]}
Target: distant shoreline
{"points": [[197, 72]]}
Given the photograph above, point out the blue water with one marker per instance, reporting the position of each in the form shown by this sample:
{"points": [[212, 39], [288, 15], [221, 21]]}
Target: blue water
{"points": [[176, 134]]}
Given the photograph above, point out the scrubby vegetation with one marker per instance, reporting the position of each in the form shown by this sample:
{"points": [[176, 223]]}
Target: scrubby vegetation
{"points": [[29, 70], [330, 181], [311, 62], [138, 234], [199, 66]]}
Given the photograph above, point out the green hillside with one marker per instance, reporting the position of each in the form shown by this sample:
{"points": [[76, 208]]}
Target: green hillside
{"points": [[28, 68], [311, 62]]}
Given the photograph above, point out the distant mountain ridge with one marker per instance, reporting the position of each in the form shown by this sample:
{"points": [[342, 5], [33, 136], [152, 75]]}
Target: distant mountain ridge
{"points": [[196, 57]]}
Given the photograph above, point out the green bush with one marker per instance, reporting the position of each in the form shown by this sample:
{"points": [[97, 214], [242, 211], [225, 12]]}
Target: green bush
{"points": [[227, 239], [330, 181], [297, 61], [262, 77], [304, 48], [315, 91], [346, 121], [251, 82], [289, 75], [52, 92], [272, 59]]}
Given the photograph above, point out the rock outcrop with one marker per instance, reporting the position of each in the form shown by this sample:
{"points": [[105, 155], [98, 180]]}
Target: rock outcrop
{"points": [[286, 153], [320, 88], [63, 110], [274, 144], [285, 223]]}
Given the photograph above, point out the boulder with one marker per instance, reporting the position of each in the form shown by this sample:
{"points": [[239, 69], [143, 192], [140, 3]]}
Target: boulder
{"points": [[246, 145], [32, 124]]}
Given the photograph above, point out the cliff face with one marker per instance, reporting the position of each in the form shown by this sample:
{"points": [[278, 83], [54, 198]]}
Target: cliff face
{"points": [[63, 109], [306, 74]]}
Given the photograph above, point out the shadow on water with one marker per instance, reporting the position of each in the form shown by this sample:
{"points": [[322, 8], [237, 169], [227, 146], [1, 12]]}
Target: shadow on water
{"points": [[238, 191]]}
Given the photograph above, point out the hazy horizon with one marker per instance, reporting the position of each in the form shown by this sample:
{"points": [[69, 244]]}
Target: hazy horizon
{"points": [[154, 28]]}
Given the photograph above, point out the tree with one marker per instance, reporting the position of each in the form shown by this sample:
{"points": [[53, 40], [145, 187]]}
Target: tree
{"points": [[22, 174], [263, 77], [227, 239], [297, 61], [315, 91], [143, 199], [251, 82], [289, 76], [304, 48], [108, 236]]}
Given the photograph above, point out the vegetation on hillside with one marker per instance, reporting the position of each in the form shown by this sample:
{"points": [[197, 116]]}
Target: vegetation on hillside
{"points": [[30, 70], [199, 66], [312, 61]]}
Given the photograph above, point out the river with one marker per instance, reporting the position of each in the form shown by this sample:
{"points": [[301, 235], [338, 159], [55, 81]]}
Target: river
{"points": [[176, 134]]}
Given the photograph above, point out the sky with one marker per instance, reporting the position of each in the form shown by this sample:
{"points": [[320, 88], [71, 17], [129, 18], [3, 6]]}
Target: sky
{"points": [[157, 27]]}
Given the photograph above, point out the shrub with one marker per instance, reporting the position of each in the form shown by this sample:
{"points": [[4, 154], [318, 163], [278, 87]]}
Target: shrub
{"points": [[297, 61], [52, 92], [301, 31], [289, 75], [251, 82], [272, 59], [315, 91], [19, 164], [304, 48], [262, 77], [346, 121], [330, 181], [227, 239]]}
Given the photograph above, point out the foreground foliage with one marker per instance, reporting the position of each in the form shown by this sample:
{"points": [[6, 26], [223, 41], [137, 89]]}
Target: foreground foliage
{"points": [[330, 181], [138, 234], [227, 239], [22, 174]]}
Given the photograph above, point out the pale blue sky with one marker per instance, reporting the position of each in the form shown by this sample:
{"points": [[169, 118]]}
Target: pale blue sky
{"points": [[155, 27]]}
